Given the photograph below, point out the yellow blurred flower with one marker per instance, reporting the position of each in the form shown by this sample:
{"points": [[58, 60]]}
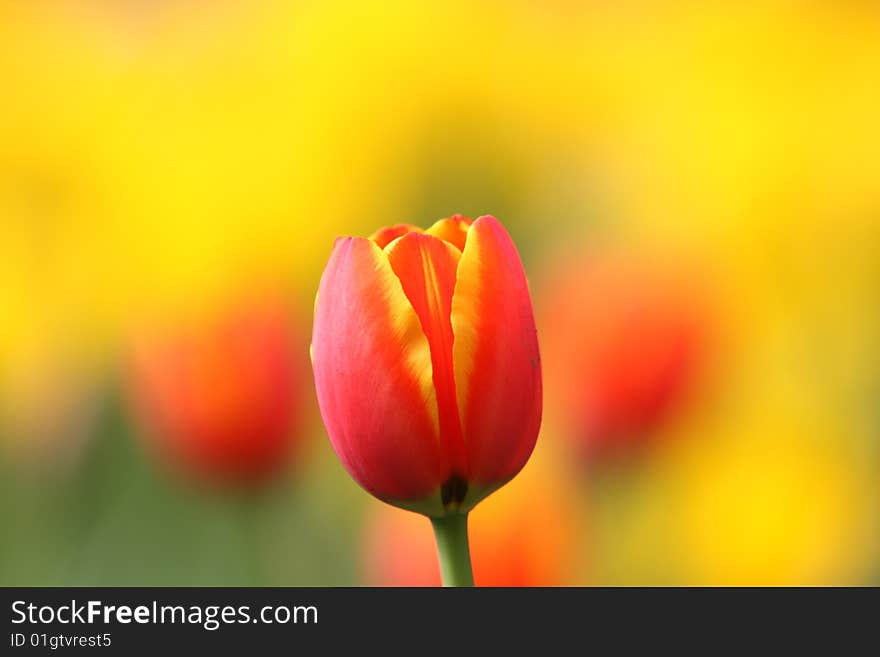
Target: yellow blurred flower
{"points": [[778, 505], [765, 496]]}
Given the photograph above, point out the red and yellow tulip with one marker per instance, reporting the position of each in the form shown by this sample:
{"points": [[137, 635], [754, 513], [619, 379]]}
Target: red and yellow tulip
{"points": [[426, 362]]}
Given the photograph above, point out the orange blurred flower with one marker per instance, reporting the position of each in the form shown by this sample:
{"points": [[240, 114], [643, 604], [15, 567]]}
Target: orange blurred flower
{"points": [[221, 394], [624, 344]]}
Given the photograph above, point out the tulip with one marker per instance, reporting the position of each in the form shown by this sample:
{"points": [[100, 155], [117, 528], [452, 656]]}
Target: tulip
{"points": [[219, 395], [626, 347], [427, 370]]}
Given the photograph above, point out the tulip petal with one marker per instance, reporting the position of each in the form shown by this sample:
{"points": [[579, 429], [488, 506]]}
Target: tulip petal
{"points": [[427, 269], [496, 359], [373, 375], [453, 230], [384, 236]]}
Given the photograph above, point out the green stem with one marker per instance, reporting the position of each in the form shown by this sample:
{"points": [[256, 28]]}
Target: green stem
{"points": [[452, 548]]}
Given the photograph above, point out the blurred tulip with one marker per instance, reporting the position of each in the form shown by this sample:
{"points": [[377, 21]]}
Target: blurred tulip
{"points": [[624, 345], [526, 534], [426, 362], [221, 395]]}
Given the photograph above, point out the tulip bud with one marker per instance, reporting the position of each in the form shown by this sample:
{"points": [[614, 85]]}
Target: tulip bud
{"points": [[426, 362], [219, 394]]}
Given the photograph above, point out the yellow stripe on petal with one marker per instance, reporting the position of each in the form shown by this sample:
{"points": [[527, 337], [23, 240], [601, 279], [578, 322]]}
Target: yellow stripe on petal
{"points": [[373, 375], [426, 267], [496, 361], [417, 354]]}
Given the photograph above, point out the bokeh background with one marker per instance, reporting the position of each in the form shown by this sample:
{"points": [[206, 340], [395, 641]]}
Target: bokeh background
{"points": [[695, 191]]}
